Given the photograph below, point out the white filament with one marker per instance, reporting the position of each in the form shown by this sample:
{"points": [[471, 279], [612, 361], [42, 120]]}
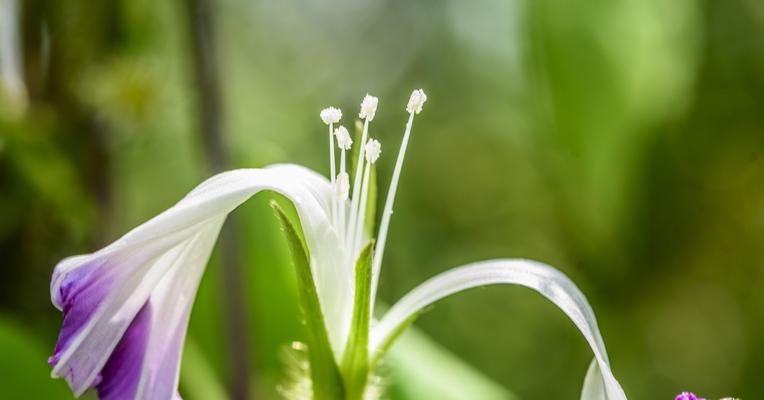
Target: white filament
{"points": [[357, 180], [388, 210]]}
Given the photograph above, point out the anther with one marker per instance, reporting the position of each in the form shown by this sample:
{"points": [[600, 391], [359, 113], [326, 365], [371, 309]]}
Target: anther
{"points": [[331, 115], [343, 138], [368, 107], [416, 101], [373, 150]]}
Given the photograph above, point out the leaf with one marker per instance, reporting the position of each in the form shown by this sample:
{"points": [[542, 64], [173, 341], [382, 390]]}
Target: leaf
{"points": [[355, 363], [327, 382]]}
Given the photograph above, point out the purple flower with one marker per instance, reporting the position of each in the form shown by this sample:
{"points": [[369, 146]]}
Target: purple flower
{"points": [[687, 396]]}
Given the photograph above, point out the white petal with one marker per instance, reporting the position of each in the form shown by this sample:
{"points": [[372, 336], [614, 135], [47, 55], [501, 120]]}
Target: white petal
{"points": [[171, 303], [594, 386], [546, 280]]}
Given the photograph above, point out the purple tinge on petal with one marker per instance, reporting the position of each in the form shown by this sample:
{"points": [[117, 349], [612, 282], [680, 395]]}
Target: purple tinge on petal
{"points": [[687, 396], [79, 295], [120, 376]]}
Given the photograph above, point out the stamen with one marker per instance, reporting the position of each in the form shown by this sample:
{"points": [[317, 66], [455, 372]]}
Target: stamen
{"points": [[331, 116], [342, 186], [368, 107], [365, 108], [416, 101], [343, 138], [343, 180], [373, 150]]}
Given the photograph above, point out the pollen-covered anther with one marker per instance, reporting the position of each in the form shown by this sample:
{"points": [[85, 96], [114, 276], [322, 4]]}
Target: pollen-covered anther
{"points": [[331, 115], [416, 101], [373, 150], [343, 138], [342, 186], [368, 107]]}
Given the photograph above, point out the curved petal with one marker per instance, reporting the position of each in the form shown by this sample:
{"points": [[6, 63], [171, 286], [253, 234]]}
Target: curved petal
{"points": [[171, 303], [594, 386], [549, 282], [102, 293]]}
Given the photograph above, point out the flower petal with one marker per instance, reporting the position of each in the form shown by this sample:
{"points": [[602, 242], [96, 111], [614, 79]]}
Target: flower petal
{"points": [[102, 293], [171, 303], [594, 386], [549, 282]]}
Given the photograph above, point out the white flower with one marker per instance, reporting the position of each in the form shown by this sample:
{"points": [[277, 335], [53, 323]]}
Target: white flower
{"points": [[368, 107], [126, 306], [331, 115]]}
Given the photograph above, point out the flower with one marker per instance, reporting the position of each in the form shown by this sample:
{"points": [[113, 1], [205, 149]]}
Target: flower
{"points": [[687, 396], [126, 306]]}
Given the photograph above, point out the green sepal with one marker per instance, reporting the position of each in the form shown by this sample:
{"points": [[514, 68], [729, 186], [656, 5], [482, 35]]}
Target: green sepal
{"points": [[324, 373], [355, 362]]}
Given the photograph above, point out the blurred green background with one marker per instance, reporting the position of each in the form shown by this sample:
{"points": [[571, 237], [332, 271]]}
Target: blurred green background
{"points": [[619, 140]]}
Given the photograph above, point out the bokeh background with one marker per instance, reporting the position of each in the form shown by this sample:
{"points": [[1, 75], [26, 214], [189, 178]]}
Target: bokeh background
{"points": [[621, 141]]}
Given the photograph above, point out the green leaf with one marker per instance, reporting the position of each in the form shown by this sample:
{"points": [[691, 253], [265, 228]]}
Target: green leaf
{"points": [[327, 382], [355, 363]]}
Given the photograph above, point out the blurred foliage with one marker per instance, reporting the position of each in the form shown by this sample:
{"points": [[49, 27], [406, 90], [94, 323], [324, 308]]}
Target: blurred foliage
{"points": [[620, 141]]}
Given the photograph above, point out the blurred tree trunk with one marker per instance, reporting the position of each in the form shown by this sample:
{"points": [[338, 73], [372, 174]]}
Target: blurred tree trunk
{"points": [[205, 64]]}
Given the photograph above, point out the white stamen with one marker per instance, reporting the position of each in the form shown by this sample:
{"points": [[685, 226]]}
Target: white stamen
{"points": [[414, 107], [368, 107], [343, 138], [331, 115], [416, 101], [373, 150], [357, 184], [342, 186], [359, 223], [343, 182]]}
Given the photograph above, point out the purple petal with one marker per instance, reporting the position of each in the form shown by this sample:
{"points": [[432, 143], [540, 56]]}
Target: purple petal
{"points": [[687, 396], [79, 295], [120, 376]]}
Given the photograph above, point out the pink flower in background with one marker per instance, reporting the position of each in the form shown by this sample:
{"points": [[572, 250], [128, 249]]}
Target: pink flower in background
{"points": [[687, 396]]}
